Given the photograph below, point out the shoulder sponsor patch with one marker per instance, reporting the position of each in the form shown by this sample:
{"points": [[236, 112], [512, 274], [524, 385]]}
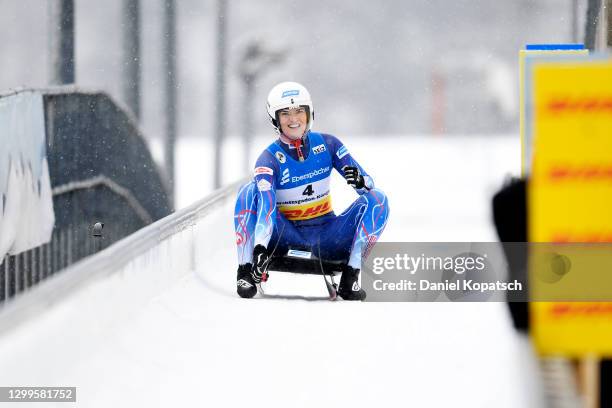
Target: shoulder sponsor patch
{"points": [[263, 170], [342, 151], [318, 149], [264, 185], [281, 157]]}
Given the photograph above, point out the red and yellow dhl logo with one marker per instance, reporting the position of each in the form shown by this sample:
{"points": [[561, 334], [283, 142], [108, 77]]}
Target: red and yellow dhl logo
{"points": [[307, 211], [590, 172], [581, 310], [594, 236], [595, 104]]}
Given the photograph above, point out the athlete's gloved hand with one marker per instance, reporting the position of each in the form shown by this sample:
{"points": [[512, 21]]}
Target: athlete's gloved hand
{"points": [[353, 178], [260, 262]]}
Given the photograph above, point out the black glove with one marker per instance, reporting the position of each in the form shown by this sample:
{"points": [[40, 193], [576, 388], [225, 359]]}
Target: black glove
{"points": [[260, 262], [353, 178]]}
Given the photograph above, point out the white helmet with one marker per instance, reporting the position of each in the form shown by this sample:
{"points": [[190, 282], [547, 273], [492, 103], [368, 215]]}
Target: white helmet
{"points": [[288, 95]]}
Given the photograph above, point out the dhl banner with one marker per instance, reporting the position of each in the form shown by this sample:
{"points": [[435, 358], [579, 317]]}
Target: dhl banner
{"points": [[570, 193], [534, 53]]}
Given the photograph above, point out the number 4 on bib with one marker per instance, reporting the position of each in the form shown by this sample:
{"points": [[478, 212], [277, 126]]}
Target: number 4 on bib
{"points": [[308, 191]]}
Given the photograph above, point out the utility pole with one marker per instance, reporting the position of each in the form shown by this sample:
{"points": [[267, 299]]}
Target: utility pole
{"points": [[574, 17], [61, 41], [220, 85], [592, 20], [438, 102], [609, 23], [170, 97], [247, 129], [256, 59], [131, 55]]}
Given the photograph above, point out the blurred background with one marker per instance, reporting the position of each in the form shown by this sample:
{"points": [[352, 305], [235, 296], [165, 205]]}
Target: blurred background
{"points": [[391, 68], [373, 68]]}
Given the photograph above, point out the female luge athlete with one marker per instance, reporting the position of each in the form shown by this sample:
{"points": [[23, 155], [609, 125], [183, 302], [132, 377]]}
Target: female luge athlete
{"points": [[288, 202]]}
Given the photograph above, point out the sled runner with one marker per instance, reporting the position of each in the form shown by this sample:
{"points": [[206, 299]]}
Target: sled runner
{"points": [[305, 262]]}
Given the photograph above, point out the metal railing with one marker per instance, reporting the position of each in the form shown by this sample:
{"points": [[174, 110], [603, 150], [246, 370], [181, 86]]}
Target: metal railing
{"points": [[20, 272], [69, 243], [116, 257], [88, 135]]}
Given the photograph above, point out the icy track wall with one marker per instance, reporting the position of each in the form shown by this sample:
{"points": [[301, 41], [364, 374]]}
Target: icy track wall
{"points": [[100, 293], [100, 170]]}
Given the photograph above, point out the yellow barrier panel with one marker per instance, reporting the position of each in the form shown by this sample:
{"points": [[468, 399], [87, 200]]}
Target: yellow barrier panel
{"points": [[570, 193], [526, 139]]}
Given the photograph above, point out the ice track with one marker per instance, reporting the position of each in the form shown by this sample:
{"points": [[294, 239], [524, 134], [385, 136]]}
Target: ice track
{"points": [[186, 339]]}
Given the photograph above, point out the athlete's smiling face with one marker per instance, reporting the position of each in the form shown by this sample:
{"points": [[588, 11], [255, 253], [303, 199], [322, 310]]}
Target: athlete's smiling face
{"points": [[293, 122]]}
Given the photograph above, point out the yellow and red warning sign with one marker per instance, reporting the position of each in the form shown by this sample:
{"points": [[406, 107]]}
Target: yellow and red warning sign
{"points": [[570, 192]]}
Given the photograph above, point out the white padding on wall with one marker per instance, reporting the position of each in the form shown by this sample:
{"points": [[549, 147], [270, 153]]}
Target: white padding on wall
{"points": [[26, 201]]}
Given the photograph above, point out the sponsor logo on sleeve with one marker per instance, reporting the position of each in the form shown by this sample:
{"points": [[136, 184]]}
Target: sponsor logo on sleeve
{"points": [[263, 170], [318, 149], [264, 185], [343, 151], [292, 92], [281, 157]]}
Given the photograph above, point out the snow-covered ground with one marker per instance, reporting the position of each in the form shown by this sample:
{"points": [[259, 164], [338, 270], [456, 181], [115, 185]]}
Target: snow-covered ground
{"points": [[194, 343]]}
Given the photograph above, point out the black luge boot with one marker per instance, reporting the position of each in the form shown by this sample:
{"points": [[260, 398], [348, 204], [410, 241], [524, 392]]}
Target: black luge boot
{"points": [[349, 285], [245, 286]]}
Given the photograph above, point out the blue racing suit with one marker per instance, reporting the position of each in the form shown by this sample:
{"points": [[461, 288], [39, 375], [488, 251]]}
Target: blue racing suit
{"points": [[287, 205]]}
